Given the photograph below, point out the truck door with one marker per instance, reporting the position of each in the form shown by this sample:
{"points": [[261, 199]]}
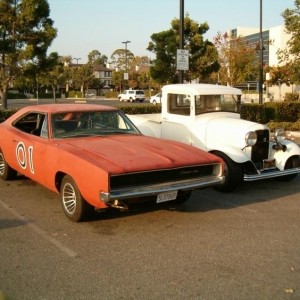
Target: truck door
{"points": [[176, 118]]}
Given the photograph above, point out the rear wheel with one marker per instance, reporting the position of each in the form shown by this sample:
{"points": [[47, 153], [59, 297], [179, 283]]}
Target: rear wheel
{"points": [[6, 172], [74, 205], [130, 99], [233, 174]]}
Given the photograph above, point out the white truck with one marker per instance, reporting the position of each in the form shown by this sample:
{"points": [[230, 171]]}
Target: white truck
{"points": [[205, 116]]}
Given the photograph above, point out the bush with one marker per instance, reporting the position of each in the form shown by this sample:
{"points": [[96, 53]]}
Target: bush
{"points": [[140, 109], [5, 114]]}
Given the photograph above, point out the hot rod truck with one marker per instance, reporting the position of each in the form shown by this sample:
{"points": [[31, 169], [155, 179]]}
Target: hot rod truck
{"points": [[206, 116]]}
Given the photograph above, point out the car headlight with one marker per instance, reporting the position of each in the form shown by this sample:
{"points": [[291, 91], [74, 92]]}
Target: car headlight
{"points": [[251, 138], [279, 135]]}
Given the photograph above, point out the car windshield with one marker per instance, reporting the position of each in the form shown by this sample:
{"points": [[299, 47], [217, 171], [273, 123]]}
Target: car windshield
{"points": [[90, 123]]}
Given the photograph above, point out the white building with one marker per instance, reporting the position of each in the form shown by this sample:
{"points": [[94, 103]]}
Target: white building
{"points": [[274, 39]]}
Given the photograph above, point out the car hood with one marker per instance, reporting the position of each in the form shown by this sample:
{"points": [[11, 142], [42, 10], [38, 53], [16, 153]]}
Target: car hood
{"points": [[226, 129], [130, 153]]}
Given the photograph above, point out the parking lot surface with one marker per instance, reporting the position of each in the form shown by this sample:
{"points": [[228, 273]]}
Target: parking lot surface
{"points": [[242, 245]]}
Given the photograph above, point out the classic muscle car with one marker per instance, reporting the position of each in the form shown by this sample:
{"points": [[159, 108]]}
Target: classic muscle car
{"points": [[96, 158]]}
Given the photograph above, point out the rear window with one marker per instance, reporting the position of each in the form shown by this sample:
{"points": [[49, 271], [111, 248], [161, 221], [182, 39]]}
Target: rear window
{"points": [[140, 92]]}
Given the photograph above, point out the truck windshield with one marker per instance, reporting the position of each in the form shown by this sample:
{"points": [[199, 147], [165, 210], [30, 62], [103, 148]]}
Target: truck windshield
{"points": [[211, 103]]}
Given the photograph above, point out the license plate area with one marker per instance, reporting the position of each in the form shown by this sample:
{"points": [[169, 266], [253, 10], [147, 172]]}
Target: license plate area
{"points": [[269, 164], [168, 196]]}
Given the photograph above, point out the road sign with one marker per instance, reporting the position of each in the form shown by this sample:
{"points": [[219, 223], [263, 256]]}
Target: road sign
{"points": [[182, 59]]}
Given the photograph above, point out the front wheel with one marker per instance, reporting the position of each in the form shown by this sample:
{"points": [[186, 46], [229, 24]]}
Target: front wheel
{"points": [[183, 197], [120, 99], [292, 162], [154, 102], [131, 100], [233, 174], [74, 205], [6, 172]]}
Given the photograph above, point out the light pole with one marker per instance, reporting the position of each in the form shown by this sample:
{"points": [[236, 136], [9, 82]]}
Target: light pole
{"points": [[77, 59], [126, 74], [261, 46]]}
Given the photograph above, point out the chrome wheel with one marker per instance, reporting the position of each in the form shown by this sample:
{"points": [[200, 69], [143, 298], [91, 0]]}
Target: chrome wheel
{"points": [[2, 164], [69, 198], [74, 205]]}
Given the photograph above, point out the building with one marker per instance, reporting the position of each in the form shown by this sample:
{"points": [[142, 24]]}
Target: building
{"points": [[274, 39]]}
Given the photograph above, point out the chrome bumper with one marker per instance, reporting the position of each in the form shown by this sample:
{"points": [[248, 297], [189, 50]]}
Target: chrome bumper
{"points": [[271, 174], [152, 190]]}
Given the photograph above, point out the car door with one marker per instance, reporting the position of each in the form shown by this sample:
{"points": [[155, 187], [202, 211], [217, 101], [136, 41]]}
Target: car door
{"points": [[29, 145], [176, 121]]}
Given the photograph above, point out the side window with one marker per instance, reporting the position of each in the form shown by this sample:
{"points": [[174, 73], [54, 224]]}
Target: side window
{"points": [[31, 123], [44, 130], [179, 104]]}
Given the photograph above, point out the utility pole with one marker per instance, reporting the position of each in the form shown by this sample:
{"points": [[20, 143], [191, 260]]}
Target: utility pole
{"points": [[261, 47], [181, 32]]}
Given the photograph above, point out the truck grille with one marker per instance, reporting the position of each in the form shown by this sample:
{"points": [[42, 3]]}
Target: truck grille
{"points": [[260, 150], [159, 176]]}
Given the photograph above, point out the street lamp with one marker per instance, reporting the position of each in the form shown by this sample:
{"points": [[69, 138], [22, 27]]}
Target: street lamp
{"points": [[77, 60], [261, 46], [126, 74]]}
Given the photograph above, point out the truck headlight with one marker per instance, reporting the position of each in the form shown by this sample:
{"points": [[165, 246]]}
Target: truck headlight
{"points": [[251, 138], [279, 135]]}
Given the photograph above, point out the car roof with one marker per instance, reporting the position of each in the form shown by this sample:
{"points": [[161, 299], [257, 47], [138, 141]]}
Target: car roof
{"points": [[53, 108], [202, 89]]}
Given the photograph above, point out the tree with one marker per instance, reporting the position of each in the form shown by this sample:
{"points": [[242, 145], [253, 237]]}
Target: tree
{"points": [[95, 58], [82, 76], [26, 32], [122, 58], [291, 55], [238, 59], [202, 53]]}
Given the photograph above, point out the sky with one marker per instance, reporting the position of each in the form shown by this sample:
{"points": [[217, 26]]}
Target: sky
{"points": [[84, 26]]}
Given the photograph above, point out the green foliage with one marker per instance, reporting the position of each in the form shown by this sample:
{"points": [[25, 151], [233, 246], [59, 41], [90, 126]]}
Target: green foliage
{"points": [[271, 112], [16, 96], [140, 109], [253, 112], [26, 33], [292, 52], [291, 97], [5, 114], [203, 55]]}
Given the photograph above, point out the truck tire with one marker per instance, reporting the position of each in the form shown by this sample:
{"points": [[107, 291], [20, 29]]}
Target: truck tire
{"points": [[233, 174], [292, 162], [130, 99], [120, 99]]}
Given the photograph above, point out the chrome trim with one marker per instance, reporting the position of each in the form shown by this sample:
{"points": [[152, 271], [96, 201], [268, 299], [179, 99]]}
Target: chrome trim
{"points": [[152, 190], [271, 174]]}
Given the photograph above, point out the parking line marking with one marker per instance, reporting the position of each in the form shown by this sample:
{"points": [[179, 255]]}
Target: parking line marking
{"points": [[38, 230]]}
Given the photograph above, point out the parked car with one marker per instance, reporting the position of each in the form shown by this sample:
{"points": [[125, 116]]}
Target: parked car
{"points": [[206, 116], [156, 99], [96, 158], [132, 95], [90, 94]]}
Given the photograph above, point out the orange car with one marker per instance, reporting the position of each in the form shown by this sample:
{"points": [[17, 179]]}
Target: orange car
{"points": [[96, 158]]}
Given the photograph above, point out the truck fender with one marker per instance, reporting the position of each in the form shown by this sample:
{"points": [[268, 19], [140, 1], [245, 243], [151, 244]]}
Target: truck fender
{"points": [[281, 157], [146, 130], [236, 154]]}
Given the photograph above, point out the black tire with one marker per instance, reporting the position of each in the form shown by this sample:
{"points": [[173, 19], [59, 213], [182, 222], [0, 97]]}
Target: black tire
{"points": [[292, 162], [120, 99], [183, 197], [130, 99], [6, 172], [233, 174], [74, 205], [154, 102]]}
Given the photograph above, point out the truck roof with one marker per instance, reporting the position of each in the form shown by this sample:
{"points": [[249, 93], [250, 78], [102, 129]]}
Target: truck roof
{"points": [[201, 89]]}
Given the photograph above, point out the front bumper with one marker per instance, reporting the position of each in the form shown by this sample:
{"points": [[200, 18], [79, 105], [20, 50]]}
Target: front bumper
{"points": [[271, 174], [152, 190]]}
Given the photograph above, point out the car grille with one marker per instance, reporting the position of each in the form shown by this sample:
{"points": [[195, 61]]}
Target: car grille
{"points": [[260, 150], [159, 176]]}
